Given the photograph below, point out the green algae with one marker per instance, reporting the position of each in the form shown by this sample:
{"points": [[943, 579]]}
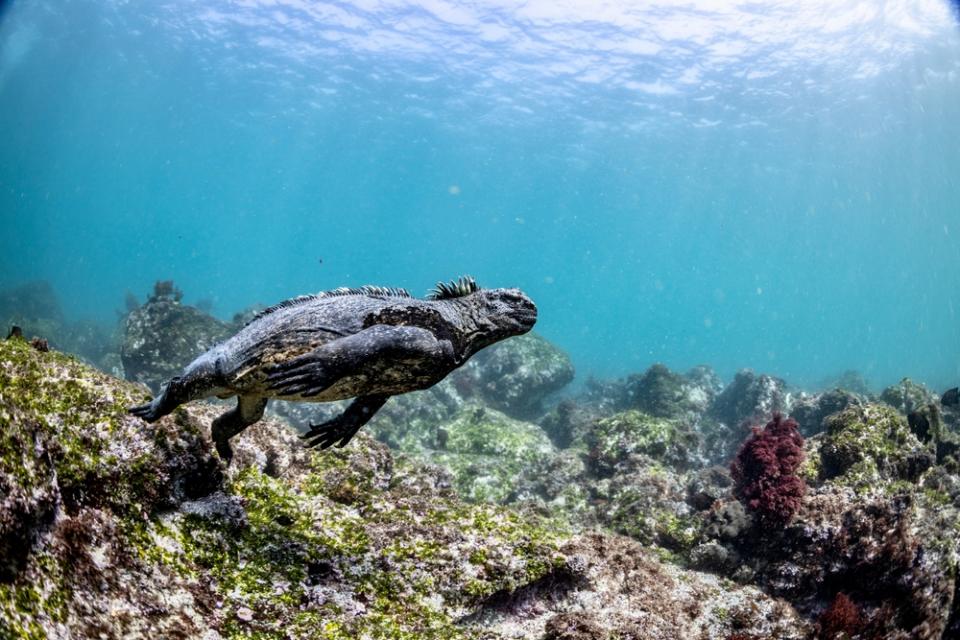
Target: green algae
{"points": [[865, 444], [487, 452], [661, 393], [403, 564], [907, 396], [397, 580], [613, 439]]}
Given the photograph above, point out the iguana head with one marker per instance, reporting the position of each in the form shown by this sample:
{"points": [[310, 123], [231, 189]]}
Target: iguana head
{"points": [[503, 312], [486, 316]]}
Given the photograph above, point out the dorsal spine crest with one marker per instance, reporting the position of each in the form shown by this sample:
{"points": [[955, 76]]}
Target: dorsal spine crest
{"points": [[365, 290]]}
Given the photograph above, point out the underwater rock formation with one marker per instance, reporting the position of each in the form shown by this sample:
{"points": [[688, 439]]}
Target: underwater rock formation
{"points": [[115, 528], [877, 524], [851, 381], [515, 376], [163, 335], [749, 399], [33, 306], [665, 394], [810, 411], [613, 440], [907, 396], [864, 445], [495, 458]]}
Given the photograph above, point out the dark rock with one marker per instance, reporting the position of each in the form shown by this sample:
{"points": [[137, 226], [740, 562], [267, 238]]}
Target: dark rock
{"points": [[564, 422], [951, 397], [163, 336], [711, 556], [925, 423], [948, 451], [728, 521], [707, 486]]}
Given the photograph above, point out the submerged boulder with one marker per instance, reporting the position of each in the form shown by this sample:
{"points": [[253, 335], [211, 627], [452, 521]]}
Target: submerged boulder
{"points": [[811, 411], [34, 307], [749, 400], [613, 440], [495, 458], [164, 335], [516, 375], [665, 394], [877, 525], [868, 443]]}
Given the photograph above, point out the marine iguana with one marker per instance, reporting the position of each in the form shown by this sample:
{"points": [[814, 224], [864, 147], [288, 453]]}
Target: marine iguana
{"points": [[367, 343]]}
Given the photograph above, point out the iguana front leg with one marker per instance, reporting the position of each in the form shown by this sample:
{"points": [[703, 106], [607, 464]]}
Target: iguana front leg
{"points": [[340, 430], [361, 354]]}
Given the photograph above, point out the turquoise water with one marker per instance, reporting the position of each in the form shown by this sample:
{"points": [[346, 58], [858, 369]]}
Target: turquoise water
{"points": [[771, 185]]}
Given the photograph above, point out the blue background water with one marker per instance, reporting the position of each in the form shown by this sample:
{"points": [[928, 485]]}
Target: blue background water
{"points": [[756, 184]]}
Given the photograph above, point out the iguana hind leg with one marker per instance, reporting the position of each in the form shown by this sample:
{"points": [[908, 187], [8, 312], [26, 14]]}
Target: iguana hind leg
{"points": [[341, 429], [249, 410]]}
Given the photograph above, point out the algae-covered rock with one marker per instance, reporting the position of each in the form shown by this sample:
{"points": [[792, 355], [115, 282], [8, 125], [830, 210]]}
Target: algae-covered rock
{"points": [[648, 503], [614, 588], [163, 336], [926, 422], [414, 421], [866, 444], [895, 553], [665, 394], [494, 458], [907, 396], [114, 528], [515, 376], [127, 529], [613, 440]]}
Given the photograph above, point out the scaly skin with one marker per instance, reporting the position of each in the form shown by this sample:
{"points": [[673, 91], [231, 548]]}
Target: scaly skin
{"points": [[369, 344]]}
